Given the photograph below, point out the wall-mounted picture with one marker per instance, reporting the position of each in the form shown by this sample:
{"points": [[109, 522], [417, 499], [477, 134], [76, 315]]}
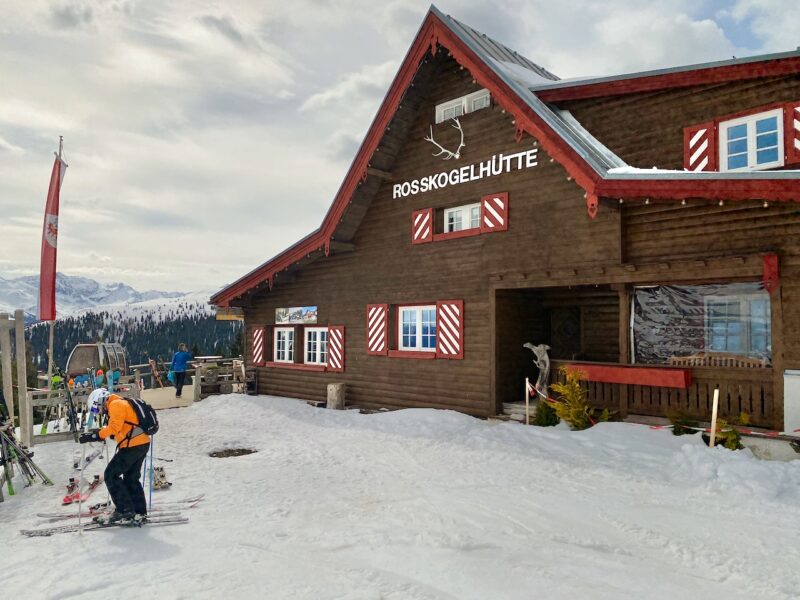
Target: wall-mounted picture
{"points": [[296, 315]]}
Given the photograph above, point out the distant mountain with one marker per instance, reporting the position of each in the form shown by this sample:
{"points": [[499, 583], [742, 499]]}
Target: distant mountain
{"points": [[72, 294], [147, 329], [149, 324]]}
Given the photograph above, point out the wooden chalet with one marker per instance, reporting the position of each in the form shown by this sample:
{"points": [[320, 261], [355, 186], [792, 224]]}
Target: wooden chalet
{"points": [[644, 226]]}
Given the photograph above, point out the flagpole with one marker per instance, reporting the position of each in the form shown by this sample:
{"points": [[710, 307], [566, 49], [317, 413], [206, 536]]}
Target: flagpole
{"points": [[53, 323]]}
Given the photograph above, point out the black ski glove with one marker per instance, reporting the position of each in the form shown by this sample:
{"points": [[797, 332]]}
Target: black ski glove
{"points": [[90, 436]]}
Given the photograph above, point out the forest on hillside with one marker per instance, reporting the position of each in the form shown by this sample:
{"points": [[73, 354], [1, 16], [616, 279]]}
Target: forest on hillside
{"points": [[144, 335]]}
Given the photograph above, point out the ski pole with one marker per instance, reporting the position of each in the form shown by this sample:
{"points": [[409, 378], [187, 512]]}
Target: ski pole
{"points": [[80, 492], [150, 505]]}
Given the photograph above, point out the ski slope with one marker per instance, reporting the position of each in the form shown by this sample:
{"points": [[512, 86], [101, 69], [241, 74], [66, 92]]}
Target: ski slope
{"points": [[422, 505]]}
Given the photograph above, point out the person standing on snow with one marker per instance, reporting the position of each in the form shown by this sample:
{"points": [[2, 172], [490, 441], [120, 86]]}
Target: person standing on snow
{"points": [[179, 368], [124, 470]]}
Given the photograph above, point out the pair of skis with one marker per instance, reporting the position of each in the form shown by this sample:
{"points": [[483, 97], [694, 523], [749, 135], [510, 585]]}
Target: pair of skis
{"points": [[167, 513]]}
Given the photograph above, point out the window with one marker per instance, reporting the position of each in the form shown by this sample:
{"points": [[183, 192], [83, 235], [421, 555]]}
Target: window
{"points": [[738, 324], [284, 344], [463, 105], [417, 328], [752, 142], [462, 217], [316, 345]]}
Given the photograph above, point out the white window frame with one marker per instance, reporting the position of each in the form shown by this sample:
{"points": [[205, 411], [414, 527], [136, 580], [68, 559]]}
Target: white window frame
{"points": [[317, 359], [466, 216], [417, 347], [289, 350], [750, 121], [465, 102], [745, 318]]}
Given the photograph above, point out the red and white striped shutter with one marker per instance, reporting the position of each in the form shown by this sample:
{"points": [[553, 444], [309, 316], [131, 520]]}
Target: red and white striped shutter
{"points": [[791, 132], [336, 348], [700, 147], [450, 329], [494, 212], [377, 329], [422, 226], [259, 345]]}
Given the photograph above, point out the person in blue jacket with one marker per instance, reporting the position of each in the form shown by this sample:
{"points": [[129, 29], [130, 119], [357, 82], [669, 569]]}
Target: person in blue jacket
{"points": [[179, 368]]}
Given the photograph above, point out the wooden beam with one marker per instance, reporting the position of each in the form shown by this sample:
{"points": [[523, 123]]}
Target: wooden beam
{"points": [[25, 409], [5, 360], [379, 173], [337, 246], [632, 375]]}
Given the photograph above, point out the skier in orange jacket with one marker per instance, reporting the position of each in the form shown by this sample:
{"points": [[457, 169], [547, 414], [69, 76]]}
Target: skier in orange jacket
{"points": [[122, 475]]}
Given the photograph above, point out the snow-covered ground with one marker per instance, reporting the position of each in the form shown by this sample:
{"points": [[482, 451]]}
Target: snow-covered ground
{"points": [[424, 504]]}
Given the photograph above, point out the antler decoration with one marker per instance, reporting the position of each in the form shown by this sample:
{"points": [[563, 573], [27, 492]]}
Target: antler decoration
{"points": [[442, 150]]}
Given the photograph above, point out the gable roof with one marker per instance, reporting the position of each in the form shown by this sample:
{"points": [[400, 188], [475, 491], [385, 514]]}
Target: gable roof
{"points": [[506, 74]]}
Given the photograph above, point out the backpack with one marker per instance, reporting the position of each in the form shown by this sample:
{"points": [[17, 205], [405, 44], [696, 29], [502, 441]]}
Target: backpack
{"points": [[146, 414]]}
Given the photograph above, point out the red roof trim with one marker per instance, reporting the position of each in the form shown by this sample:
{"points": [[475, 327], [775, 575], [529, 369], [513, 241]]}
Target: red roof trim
{"points": [[716, 189], [651, 83]]}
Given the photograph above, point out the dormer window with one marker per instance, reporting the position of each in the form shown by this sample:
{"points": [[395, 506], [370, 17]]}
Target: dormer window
{"points": [[753, 142], [460, 106]]}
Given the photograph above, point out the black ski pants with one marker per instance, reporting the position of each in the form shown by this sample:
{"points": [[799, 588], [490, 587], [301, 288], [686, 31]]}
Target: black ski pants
{"points": [[122, 479], [180, 379]]}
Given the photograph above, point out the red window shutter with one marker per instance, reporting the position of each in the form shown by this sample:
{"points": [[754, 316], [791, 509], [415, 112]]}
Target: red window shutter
{"points": [[700, 147], [259, 345], [422, 226], [336, 348], [791, 132], [377, 329], [494, 212], [450, 329]]}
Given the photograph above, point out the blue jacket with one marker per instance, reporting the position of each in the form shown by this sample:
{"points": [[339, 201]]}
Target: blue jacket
{"points": [[179, 361]]}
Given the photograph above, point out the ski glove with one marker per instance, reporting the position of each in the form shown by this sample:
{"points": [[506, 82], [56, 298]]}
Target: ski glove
{"points": [[90, 436]]}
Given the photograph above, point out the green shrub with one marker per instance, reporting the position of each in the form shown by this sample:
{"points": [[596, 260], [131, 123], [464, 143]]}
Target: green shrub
{"points": [[572, 406], [545, 415], [681, 423]]}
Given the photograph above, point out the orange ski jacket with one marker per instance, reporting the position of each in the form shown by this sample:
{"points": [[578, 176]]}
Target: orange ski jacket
{"points": [[122, 420]]}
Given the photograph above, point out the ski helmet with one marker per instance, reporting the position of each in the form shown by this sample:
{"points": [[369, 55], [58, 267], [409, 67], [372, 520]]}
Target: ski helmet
{"points": [[97, 399]]}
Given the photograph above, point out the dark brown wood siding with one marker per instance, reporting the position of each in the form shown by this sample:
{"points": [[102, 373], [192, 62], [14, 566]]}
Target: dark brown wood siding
{"points": [[646, 129]]}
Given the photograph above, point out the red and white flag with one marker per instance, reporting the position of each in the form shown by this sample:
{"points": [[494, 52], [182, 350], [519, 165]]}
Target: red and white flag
{"points": [[47, 270]]}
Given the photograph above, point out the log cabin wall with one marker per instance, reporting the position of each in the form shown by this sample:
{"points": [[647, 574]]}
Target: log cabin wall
{"points": [[646, 129], [548, 228]]}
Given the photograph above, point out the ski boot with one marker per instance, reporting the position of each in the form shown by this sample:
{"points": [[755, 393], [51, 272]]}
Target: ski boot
{"points": [[160, 481], [115, 518]]}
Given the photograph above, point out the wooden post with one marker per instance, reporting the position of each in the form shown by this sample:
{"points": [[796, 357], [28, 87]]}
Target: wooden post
{"points": [[778, 363], [25, 408], [197, 383], [527, 402], [336, 396], [713, 434], [5, 360], [52, 327]]}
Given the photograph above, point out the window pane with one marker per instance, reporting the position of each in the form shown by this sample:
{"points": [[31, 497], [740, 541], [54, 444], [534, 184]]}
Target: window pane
{"points": [[768, 124], [767, 156], [737, 147], [767, 140], [737, 162], [475, 217], [737, 132], [429, 329], [409, 328]]}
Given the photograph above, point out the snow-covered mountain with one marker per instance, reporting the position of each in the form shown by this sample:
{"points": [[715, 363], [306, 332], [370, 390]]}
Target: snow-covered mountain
{"points": [[73, 294]]}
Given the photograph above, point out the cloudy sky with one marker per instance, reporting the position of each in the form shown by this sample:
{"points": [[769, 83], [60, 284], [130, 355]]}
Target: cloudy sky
{"points": [[205, 136]]}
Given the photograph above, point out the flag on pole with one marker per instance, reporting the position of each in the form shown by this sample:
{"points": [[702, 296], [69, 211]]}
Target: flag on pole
{"points": [[47, 270]]}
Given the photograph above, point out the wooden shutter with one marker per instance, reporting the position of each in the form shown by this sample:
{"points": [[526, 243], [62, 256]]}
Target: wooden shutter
{"points": [[700, 147], [422, 226], [791, 132], [450, 329], [259, 345], [377, 329], [494, 212], [336, 348]]}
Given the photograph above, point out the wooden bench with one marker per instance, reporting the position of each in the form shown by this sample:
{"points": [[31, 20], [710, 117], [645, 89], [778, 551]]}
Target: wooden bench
{"points": [[717, 359]]}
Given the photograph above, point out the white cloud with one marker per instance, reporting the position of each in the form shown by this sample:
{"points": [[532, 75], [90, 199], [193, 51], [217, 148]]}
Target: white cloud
{"points": [[775, 22]]}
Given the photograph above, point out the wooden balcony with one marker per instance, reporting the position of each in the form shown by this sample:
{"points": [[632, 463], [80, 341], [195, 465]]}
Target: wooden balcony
{"points": [[747, 390]]}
